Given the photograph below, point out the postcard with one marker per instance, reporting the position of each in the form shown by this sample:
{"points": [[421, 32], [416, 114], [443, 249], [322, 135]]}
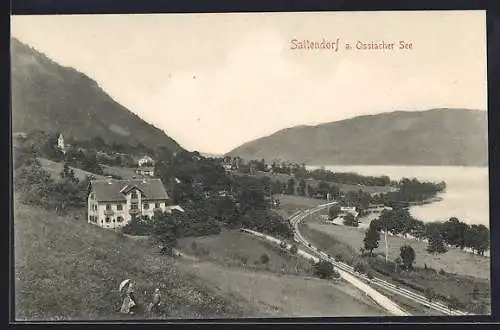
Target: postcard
{"points": [[250, 165]]}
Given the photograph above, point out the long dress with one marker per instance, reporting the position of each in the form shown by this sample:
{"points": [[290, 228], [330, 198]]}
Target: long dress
{"points": [[128, 300]]}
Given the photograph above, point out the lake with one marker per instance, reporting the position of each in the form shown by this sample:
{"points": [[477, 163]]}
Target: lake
{"points": [[466, 196]]}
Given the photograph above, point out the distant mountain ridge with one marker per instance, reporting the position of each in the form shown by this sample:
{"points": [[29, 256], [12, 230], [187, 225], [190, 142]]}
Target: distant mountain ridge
{"points": [[49, 97], [455, 137]]}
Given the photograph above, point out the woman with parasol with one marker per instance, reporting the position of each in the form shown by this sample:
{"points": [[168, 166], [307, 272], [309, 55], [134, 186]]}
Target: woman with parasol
{"points": [[127, 288]]}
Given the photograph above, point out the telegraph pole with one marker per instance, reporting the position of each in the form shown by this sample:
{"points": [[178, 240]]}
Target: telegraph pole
{"points": [[386, 246]]}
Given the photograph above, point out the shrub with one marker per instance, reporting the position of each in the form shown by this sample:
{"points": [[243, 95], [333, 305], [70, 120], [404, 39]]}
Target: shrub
{"points": [[429, 294], [137, 226], [369, 275], [442, 272], [335, 274], [294, 249], [323, 269], [264, 259], [407, 256], [359, 267]]}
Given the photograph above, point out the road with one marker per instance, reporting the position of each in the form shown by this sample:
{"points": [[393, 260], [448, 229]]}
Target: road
{"points": [[299, 216]]}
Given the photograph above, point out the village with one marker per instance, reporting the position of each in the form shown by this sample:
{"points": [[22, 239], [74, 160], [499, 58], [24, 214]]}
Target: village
{"points": [[201, 186]]}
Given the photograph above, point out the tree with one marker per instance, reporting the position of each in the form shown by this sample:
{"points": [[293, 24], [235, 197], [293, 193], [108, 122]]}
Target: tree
{"points": [[301, 190], [430, 294], [290, 188], [372, 237], [323, 189], [350, 220], [436, 244], [453, 303], [264, 259], [359, 267], [323, 269], [68, 174], [407, 255], [397, 262], [333, 212]]}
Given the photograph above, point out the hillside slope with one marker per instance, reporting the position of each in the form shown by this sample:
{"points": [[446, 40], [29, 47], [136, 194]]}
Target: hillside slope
{"points": [[432, 137], [49, 97], [66, 269]]}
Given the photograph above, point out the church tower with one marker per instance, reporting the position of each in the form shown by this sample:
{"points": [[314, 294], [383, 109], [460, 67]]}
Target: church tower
{"points": [[60, 144]]}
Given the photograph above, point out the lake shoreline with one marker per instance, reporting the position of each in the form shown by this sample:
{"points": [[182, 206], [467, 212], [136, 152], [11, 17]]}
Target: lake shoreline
{"points": [[465, 197]]}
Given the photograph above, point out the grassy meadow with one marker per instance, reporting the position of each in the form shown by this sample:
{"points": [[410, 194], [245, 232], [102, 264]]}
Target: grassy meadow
{"points": [[68, 269]]}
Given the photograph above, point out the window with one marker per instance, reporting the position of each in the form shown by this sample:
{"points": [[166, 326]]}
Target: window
{"points": [[157, 205], [119, 219], [146, 206], [108, 219], [108, 207], [133, 195], [133, 206], [119, 207]]}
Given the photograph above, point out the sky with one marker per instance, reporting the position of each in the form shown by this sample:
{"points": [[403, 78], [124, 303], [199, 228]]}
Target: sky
{"points": [[215, 81]]}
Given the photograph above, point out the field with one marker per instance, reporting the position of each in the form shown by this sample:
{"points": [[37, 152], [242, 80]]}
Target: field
{"points": [[238, 249], [55, 168], [124, 172], [68, 269], [290, 204], [341, 240], [454, 261], [283, 295], [232, 262], [342, 186]]}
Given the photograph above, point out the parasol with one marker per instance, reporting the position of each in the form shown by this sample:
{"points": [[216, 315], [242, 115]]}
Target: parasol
{"points": [[123, 284]]}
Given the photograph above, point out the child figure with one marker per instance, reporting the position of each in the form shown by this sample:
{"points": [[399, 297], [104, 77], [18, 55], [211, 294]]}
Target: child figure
{"points": [[155, 304]]}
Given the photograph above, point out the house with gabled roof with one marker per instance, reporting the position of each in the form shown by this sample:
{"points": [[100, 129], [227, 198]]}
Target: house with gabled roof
{"points": [[114, 203]]}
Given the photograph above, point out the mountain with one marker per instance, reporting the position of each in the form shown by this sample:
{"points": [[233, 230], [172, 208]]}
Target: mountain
{"points": [[432, 137], [49, 97]]}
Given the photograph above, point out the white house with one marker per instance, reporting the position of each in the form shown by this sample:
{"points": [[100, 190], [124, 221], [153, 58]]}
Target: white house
{"points": [[378, 208], [113, 203], [344, 210], [145, 160], [145, 171]]}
